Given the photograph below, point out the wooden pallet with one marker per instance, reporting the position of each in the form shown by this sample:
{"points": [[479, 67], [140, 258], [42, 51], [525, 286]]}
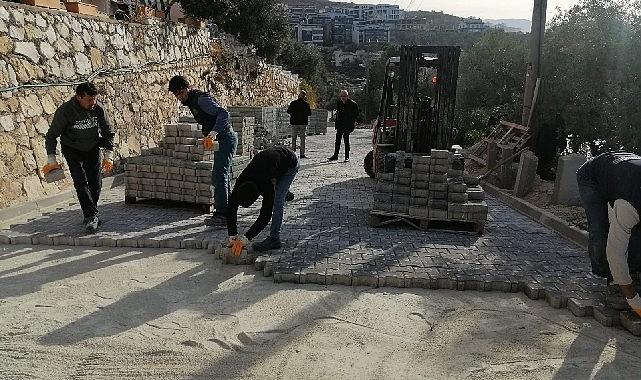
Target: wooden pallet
{"points": [[205, 208], [379, 218], [506, 135]]}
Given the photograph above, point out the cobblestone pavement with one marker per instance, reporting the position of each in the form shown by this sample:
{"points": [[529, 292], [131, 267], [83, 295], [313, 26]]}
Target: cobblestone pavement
{"points": [[327, 241]]}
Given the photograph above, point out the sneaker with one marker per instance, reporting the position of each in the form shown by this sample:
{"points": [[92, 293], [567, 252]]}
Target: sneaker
{"points": [[303, 156], [333, 158], [216, 220], [267, 244], [346, 159], [92, 224], [289, 197], [86, 220]]}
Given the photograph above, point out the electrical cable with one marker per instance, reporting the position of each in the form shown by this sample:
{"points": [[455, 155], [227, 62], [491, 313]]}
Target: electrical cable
{"points": [[97, 73]]}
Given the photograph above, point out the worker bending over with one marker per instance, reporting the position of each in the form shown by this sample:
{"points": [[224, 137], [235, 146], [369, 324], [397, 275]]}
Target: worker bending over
{"points": [[269, 174], [610, 188]]}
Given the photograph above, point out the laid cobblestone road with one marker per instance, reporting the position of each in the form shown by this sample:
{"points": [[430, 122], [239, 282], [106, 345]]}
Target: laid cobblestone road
{"points": [[327, 240]]}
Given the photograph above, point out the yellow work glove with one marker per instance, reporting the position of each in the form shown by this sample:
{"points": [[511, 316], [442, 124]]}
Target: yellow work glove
{"points": [[635, 304], [107, 161], [52, 164], [238, 244]]}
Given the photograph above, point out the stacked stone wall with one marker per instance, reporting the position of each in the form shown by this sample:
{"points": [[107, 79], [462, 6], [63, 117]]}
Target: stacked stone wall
{"points": [[43, 53]]}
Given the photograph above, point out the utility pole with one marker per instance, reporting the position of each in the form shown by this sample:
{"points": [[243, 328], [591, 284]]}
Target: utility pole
{"points": [[537, 35]]}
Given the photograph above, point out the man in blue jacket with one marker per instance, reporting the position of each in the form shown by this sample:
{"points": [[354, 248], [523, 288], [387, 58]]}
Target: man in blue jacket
{"points": [[216, 125], [83, 127]]}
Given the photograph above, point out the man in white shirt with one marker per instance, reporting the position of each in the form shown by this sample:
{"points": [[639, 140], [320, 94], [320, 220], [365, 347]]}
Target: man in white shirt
{"points": [[610, 188]]}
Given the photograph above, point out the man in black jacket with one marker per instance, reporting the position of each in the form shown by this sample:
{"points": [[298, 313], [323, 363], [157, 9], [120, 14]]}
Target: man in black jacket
{"points": [[610, 189], [346, 114], [216, 125], [299, 112], [83, 127], [270, 174]]}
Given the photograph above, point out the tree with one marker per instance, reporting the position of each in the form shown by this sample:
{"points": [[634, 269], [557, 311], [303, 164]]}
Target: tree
{"points": [[593, 74], [491, 82], [306, 61], [262, 23]]}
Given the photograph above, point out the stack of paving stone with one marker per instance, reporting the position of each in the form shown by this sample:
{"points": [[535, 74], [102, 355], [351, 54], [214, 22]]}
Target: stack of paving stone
{"points": [[318, 122], [265, 131], [244, 128], [180, 170], [430, 188], [283, 127]]}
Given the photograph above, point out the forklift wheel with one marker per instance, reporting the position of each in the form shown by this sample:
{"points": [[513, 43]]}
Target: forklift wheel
{"points": [[368, 164]]}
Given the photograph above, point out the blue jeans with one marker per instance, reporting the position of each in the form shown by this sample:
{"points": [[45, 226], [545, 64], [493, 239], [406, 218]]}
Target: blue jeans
{"points": [[220, 178], [596, 211], [282, 188]]}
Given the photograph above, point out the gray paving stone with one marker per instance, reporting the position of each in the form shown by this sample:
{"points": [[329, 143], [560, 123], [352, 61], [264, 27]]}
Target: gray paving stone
{"points": [[580, 307], [606, 316], [631, 322]]}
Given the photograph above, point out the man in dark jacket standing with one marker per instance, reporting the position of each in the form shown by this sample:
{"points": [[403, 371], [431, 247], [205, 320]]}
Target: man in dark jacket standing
{"points": [[216, 125], [610, 188], [299, 112], [346, 114], [83, 127], [270, 174]]}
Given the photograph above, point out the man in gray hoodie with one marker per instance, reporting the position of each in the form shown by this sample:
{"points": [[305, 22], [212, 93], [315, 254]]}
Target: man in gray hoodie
{"points": [[83, 127]]}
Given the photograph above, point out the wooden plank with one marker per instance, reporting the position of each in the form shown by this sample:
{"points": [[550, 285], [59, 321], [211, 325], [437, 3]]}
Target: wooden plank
{"points": [[477, 159], [514, 125]]}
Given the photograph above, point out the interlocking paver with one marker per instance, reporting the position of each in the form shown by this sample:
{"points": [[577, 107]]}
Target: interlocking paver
{"points": [[327, 240]]}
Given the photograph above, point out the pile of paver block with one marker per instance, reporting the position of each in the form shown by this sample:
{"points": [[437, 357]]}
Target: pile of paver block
{"points": [[179, 170], [429, 188], [244, 128], [318, 122], [266, 133]]}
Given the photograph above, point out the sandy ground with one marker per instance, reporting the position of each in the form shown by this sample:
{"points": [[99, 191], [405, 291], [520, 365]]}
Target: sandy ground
{"points": [[159, 314]]}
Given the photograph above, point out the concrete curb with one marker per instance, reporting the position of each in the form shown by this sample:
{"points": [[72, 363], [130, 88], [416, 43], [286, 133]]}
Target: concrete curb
{"points": [[39, 205], [547, 219]]}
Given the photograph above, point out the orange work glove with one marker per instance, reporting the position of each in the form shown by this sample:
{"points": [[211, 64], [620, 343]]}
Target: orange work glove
{"points": [[208, 143], [238, 244], [635, 304], [107, 161], [49, 167]]}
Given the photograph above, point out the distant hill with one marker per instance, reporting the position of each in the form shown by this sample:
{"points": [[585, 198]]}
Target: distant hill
{"points": [[521, 24]]}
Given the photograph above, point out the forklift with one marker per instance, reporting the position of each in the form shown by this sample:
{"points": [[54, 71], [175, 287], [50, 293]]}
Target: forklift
{"points": [[416, 112]]}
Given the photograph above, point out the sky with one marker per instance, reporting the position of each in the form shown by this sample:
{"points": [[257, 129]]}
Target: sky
{"points": [[486, 9]]}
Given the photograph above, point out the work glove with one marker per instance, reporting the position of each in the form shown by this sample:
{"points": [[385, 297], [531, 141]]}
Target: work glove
{"points": [[107, 161], [238, 244], [635, 304], [209, 143], [52, 164]]}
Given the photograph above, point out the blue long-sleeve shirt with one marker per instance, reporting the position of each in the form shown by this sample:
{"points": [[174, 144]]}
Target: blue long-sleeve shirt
{"points": [[207, 112], [218, 114]]}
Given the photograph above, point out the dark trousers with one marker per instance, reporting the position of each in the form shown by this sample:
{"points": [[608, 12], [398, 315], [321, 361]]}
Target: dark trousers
{"points": [[596, 211], [85, 172], [341, 134]]}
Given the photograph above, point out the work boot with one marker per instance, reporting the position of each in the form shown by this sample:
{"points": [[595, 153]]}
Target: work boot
{"points": [[333, 158], [92, 224], [289, 197], [615, 299], [303, 156], [346, 159], [216, 220], [267, 244]]}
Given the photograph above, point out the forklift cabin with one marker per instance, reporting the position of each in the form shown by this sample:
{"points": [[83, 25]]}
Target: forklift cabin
{"points": [[416, 112]]}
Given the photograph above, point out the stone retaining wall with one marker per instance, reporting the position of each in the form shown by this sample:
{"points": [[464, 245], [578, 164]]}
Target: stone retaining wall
{"points": [[50, 50]]}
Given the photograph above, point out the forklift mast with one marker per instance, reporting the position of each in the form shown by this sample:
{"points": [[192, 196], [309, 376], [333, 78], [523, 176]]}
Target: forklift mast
{"points": [[426, 123]]}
